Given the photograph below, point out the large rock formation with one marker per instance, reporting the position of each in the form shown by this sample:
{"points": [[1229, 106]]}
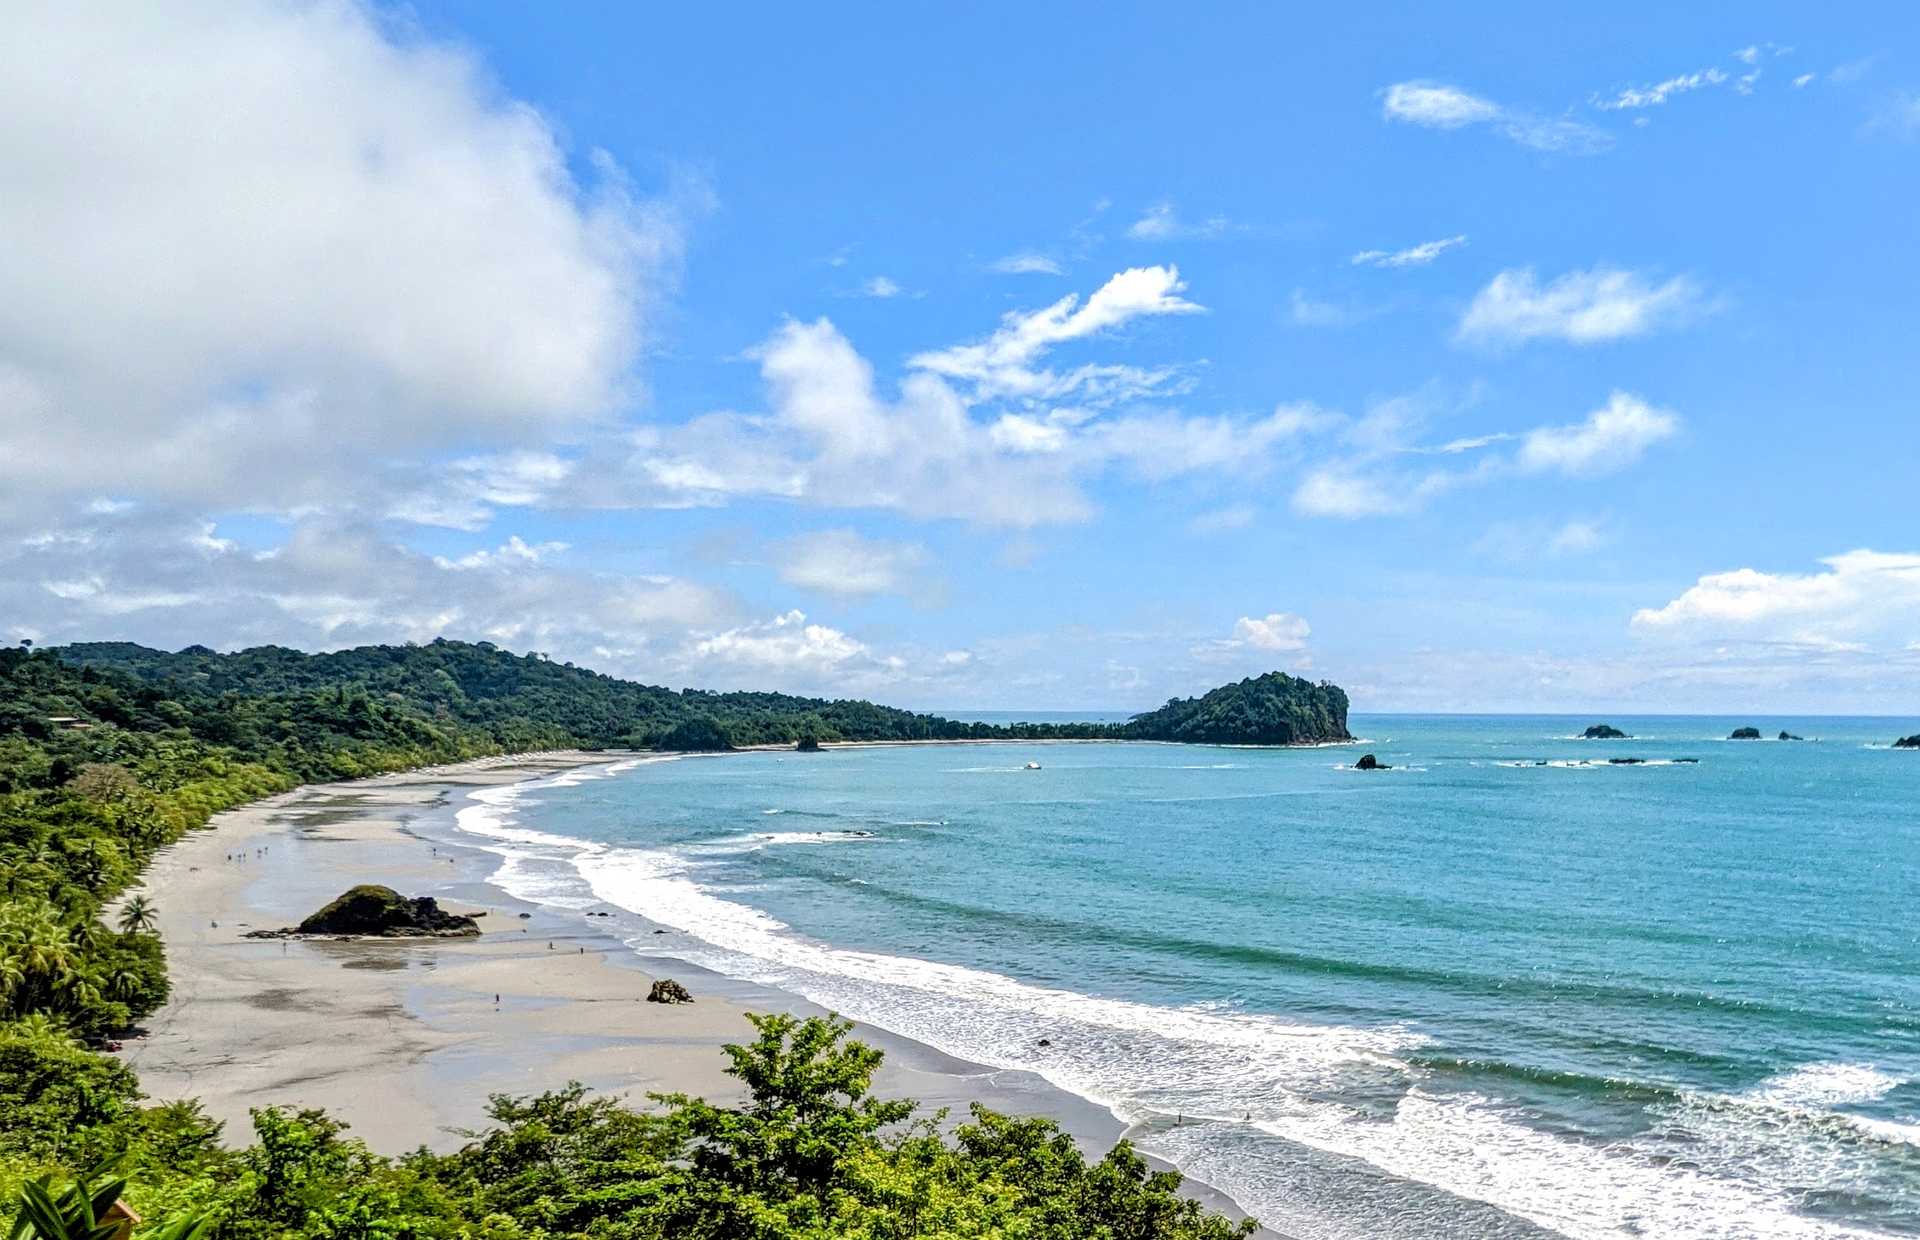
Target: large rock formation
{"points": [[1274, 709], [1605, 732], [373, 911], [1908, 742], [1749, 734], [1368, 762], [666, 990]]}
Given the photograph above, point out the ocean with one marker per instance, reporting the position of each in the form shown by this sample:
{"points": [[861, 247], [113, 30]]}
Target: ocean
{"points": [[1506, 988]]}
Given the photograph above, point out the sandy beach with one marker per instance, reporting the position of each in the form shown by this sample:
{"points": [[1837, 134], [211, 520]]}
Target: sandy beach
{"points": [[404, 1040]]}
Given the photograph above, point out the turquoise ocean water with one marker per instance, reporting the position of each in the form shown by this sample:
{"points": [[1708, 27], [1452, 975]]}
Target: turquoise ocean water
{"points": [[1470, 996]]}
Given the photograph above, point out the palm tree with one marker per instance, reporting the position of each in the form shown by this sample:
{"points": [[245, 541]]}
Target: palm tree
{"points": [[137, 916]]}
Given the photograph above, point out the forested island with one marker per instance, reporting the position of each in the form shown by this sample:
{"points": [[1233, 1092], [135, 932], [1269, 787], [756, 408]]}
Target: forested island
{"points": [[109, 751]]}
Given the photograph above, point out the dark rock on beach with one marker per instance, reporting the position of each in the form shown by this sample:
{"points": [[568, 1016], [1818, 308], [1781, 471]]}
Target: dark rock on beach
{"points": [[1604, 732], [373, 911], [1746, 734], [666, 990], [807, 744], [1368, 762]]}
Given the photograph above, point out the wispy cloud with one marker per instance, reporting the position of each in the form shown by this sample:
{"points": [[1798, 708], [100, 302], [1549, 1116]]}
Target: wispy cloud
{"points": [[1610, 439], [881, 287], [1027, 263], [842, 562], [1379, 477], [1163, 223], [1659, 92], [1413, 256], [1436, 105], [1004, 363], [1583, 307]]}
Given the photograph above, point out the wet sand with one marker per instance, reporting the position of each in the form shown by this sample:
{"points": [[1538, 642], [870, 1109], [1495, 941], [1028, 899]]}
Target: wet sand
{"points": [[405, 1039]]}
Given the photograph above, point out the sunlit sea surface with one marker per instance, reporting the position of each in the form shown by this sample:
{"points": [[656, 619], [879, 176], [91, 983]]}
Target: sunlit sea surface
{"points": [[1507, 988]]}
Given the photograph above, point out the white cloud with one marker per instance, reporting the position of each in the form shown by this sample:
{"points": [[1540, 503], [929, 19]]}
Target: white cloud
{"points": [[1436, 105], [1027, 263], [1306, 311], [1659, 92], [1862, 596], [881, 287], [787, 643], [1748, 55], [845, 563], [1802, 80], [1610, 438], [1525, 542], [161, 575], [1277, 630], [1414, 256], [1258, 638], [1376, 479], [273, 244], [1003, 364], [1163, 223], [1583, 307], [1350, 492]]}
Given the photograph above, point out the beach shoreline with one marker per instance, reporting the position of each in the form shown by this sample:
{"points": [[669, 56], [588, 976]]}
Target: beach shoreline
{"points": [[404, 1040]]}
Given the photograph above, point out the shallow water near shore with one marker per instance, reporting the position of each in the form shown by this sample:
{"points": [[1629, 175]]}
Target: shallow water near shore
{"points": [[1473, 995]]}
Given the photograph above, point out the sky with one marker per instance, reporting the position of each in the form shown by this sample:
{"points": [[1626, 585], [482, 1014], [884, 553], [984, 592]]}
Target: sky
{"points": [[1475, 358]]}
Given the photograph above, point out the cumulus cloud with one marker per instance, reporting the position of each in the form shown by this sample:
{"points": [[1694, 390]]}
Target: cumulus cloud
{"points": [[162, 575], [1436, 105], [1582, 307], [843, 562], [1258, 639], [785, 643], [1861, 597], [1413, 256], [287, 243]]}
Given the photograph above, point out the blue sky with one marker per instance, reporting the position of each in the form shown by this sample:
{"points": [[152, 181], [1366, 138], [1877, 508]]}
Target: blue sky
{"points": [[1473, 359]]}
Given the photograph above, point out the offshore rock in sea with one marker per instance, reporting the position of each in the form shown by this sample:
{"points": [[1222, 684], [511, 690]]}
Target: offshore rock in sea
{"points": [[1908, 742], [666, 990], [1368, 762], [1749, 734], [372, 911], [1788, 736], [1605, 732]]}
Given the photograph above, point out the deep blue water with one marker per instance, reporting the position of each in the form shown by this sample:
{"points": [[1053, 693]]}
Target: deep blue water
{"points": [[1657, 1000]]}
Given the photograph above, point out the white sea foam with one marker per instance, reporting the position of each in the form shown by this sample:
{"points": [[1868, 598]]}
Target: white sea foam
{"points": [[1826, 1085], [1285, 1079], [1468, 1146]]}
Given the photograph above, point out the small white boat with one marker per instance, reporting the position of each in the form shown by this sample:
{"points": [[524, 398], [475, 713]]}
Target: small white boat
{"points": [[1033, 766]]}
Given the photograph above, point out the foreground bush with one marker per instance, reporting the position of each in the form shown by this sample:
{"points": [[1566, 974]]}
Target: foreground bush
{"points": [[812, 1154]]}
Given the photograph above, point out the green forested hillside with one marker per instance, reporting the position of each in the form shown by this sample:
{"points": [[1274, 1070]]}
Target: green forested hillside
{"points": [[109, 751], [1274, 709]]}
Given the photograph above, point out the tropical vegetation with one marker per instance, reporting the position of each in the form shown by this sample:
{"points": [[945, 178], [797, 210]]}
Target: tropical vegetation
{"points": [[109, 751]]}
